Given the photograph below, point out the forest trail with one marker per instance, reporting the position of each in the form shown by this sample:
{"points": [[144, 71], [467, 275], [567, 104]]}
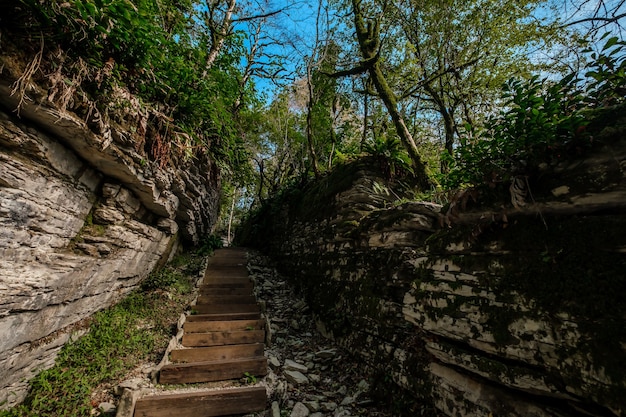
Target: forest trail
{"points": [[223, 340]]}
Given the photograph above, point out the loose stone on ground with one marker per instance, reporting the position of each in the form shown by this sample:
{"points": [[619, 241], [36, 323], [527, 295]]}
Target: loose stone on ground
{"points": [[308, 375]]}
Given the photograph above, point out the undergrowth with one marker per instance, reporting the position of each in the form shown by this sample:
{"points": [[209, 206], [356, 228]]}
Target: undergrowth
{"points": [[137, 63], [134, 332], [542, 121]]}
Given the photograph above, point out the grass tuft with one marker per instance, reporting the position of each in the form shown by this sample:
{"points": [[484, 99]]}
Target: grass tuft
{"points": [[132, 333]]}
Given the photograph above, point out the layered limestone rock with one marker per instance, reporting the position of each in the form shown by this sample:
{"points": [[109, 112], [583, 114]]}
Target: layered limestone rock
{"points": [[84, 217], [508, 311]]}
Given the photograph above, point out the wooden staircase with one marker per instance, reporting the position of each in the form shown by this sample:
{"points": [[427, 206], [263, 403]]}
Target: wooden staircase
{"points": [[223, 340]]}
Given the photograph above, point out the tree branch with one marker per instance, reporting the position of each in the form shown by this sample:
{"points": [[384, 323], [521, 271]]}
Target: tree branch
{"points": [[259, 16], [607, 20], [437, 76], [359, 69]]}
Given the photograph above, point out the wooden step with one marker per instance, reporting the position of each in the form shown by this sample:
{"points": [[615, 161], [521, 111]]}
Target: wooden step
{"points": [[208, 404], [229, 255], [225, 316], [227, 280], [217, 353], [187, 373], [236, 337], [225, 308], [218, 275], [225, 254], [225, 291], [226, 299], [230, 262], [225, 269], [224, 275], [222, 325], [236, 284]]}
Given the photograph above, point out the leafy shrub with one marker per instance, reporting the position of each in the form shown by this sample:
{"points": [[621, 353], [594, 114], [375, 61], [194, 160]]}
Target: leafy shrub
{"points": [[393, 159], [158, 51], [209, 243], [114, 344], [542, 121], [161, 279]]}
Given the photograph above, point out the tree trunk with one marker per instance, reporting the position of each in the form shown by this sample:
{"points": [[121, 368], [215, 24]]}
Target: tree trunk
{"points": [[369, 43], [218, 36], [230, 217], [333, 140], [389, 99], [365, 116], [448, 122], [309, 121]]}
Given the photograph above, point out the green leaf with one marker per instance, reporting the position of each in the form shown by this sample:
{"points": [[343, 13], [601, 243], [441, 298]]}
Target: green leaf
{"points": [[612, 41], [91, 9]]}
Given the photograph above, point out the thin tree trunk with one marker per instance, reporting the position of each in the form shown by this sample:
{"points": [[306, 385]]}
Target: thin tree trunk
{"points": [[218, 35], [230, 217], [365, 116], [332, 150], [448, 122], [309, 122]]}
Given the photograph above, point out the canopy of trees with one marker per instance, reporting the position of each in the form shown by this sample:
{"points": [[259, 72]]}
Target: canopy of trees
{"points": [[278, 93]]}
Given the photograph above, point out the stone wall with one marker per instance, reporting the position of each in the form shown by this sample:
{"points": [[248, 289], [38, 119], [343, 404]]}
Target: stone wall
{"points": [[84, 217], [485, 311]]}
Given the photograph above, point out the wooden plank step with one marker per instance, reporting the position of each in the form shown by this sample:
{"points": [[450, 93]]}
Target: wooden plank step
{"points": [[235, 284], [241, 254], [226, 299], [222, 325], [208, 403], [212, 291], [207, 288], [224, 316], [228, 253], [219, 277], [226, 278], [227, 262], [236, 337], [187, 373], [225, 274], [236, 256], [225, 308], [217, 353], [227, 269]]}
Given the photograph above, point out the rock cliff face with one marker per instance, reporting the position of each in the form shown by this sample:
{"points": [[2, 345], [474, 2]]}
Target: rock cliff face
{"points": [[507, 311], [84, 217]]}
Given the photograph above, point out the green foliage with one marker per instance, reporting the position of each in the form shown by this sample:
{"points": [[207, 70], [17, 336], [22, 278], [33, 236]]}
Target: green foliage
{"points": [[104, 27], [249, 378], [209, 243], [119, 339], [607, 72], [161, 279], [393, 159], [113, 344], [179, 275], [542, 121], [158, 51]]}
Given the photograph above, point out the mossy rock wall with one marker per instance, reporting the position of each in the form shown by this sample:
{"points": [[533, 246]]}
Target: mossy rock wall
{"points": [[509, 311]]}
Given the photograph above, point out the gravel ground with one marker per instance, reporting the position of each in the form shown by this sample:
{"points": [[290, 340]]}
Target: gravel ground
{"points": [[308, 374]]}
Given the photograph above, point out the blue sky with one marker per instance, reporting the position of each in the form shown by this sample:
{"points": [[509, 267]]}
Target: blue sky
{"points": [[294, 26]]}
